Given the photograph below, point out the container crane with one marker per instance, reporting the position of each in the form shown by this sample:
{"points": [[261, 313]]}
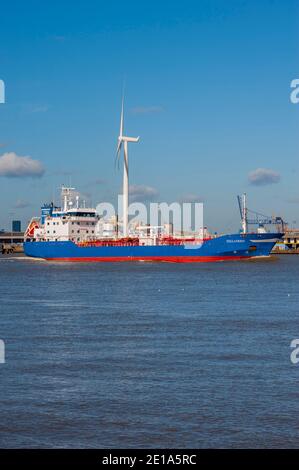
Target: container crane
{"points": [[249, 217]]}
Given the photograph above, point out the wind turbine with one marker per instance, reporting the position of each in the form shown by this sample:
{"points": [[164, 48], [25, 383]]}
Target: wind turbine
{"points": [[123, 140]]}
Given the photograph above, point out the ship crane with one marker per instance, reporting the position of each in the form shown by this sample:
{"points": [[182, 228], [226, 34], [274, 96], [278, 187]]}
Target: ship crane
{"points": [[249, 217]]}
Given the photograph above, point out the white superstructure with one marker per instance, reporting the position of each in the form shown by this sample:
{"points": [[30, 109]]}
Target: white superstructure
{"points": [[75, 224], [71, 222]]}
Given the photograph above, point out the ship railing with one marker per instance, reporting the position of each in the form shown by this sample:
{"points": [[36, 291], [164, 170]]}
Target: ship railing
{"points": [[109, 242], [170, 240]]}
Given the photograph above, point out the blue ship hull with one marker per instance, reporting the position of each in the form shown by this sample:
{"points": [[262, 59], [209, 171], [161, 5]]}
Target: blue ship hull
{"points": [[226, 247]]}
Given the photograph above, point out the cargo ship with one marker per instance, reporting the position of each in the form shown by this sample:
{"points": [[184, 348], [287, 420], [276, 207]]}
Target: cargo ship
{"points": [[73, 232], [80, 234]]}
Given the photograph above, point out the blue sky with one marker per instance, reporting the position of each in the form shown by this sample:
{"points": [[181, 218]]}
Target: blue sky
{"points": [[207, 90]]}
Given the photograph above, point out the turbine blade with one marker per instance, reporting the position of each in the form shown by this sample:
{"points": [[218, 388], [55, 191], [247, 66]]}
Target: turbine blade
{"points": [[116, 161], [119, 145], [121, 130], [117, 156]]}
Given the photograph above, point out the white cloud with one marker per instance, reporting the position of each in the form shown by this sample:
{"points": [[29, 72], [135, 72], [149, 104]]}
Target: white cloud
{"points": [[140, 193], [147, 109], [20, 204], [59, 37], [191, 198], [263, 177], [63, 173], [99, 181], [14, 166], [293, 200], [39, 109]]}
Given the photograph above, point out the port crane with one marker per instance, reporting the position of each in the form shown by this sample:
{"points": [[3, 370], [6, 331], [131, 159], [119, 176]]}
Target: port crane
{"points": [[249, 217]]}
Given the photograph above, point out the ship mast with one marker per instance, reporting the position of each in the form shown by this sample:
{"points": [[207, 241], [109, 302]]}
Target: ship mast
{"points": [[243, 212], [66, 194]]}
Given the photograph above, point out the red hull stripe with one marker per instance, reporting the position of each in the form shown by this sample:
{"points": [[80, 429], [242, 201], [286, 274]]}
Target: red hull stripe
{"points": [[168, 259]]}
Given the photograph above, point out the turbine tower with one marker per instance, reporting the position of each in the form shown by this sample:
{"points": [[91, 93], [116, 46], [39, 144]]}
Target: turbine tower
{"points": [[123, 140]]}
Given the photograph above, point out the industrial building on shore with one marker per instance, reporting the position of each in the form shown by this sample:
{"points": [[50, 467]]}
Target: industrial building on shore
{"points": [[12, 242]]}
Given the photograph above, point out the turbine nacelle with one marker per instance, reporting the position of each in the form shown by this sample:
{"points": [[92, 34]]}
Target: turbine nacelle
{"points": [[128, 139], [122, 139]]}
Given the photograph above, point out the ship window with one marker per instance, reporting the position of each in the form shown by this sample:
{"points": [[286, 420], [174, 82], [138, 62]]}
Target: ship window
{"points": [[48, 231], [73, 231], [78, 231]]}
